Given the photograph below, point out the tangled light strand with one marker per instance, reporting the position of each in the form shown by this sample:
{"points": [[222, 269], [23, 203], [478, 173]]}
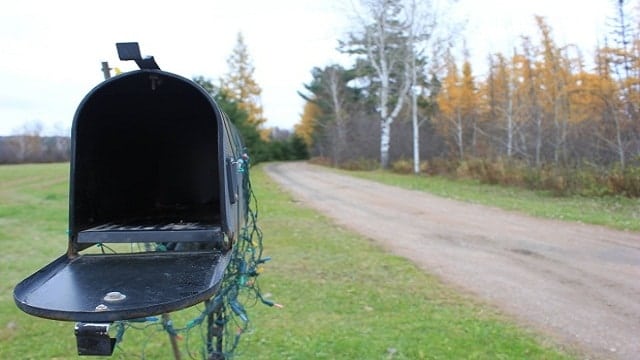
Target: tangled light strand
{"points": [[239, 289]]}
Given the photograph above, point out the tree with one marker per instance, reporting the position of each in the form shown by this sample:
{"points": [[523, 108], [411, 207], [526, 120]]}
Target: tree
{"points": [[305, 129], [613, 125], [555, 73], [421, 25], [333, 106], [250, 133], [469, 103], [329, 93], [504, 91], [240, 85], [621, 60], [450, 117], [531, 87], [381, 41]]}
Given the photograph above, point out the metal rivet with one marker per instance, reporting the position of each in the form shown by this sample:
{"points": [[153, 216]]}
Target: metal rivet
{"points": [[102, 307], [114, 296]]}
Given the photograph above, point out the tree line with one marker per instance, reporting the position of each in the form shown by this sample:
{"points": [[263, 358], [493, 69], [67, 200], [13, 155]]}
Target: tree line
{"points": [[34, 148], [407, 102]]}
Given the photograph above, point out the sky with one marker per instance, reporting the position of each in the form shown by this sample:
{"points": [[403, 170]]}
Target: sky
{"points": [[51, 51]]}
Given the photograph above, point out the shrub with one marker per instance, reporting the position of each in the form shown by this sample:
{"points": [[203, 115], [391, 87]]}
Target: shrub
{"points": [[557, 184], [632, 181], [320, 160], [463, 170], [424, 167], [494, 173], [441, 166], [625, 182], [473, 168], [514, 173], [402, 166], [360, 164]]}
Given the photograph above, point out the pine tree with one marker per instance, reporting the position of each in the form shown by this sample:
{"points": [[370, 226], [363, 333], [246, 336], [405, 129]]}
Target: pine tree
{"points": [[240, 85]]}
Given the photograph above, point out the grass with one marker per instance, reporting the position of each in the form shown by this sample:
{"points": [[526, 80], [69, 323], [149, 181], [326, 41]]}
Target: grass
{"points": [[616, 212], [343, 297]]}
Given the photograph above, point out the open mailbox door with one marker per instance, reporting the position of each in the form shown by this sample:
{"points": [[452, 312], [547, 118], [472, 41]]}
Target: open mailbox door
{"points": [[157, 164]]}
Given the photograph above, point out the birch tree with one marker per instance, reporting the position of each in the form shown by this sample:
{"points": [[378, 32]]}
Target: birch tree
{"points": [[422, 38], [381, 39]]}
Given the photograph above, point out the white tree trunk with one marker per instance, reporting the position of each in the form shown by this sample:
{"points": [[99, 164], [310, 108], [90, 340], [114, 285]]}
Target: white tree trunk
{"points": [[619, 142], [459, 135], [385, 142], [416, 130], [338, 113], [510, 128], [384, 62]]}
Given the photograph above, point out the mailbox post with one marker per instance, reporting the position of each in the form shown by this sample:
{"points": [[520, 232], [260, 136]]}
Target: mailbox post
{"points": [[154, 162]]}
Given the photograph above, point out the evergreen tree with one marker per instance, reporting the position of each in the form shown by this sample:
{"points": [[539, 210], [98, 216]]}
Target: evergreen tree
{"points": [[240, 85], [329, 109], [256, 147]]}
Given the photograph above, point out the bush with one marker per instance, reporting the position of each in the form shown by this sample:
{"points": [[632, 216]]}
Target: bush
{"points": [[424, 167], [441, 166], [474, 168], [625, 182], [402, 166], [360, 164], [320, 160], [495, 173], [585, 180], [557, 184]]}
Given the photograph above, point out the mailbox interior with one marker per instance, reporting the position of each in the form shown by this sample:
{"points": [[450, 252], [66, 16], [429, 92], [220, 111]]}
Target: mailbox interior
{"points": [[147, 162]]}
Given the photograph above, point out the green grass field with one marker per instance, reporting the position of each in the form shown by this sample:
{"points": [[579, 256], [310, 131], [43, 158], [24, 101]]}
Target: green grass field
{"points": [[343, 297]]}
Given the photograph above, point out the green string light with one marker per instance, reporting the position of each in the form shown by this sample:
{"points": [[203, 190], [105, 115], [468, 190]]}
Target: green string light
{"points": [[239, 285]]}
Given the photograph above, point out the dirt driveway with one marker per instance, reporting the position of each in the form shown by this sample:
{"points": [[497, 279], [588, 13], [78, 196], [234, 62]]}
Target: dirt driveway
{"points": [[578, 283]]}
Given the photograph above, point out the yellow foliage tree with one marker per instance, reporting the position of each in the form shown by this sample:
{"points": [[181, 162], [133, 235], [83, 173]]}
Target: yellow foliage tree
{"points": [[240, 84], [555, 77], [458, 102], [469, 103], [449, 119], [306, 127]]}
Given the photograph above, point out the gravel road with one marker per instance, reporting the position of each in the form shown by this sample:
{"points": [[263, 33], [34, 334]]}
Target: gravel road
{"points": [[579, 284]]}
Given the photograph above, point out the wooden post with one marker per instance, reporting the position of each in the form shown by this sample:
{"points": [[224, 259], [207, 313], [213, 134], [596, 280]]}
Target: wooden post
{"points": [[174, 342]]}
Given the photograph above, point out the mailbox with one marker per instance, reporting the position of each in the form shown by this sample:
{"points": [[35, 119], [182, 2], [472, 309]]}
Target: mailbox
{"points": [[155, 164]]}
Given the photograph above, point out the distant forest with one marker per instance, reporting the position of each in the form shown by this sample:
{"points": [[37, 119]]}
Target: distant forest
{"points": [[34, 149]]}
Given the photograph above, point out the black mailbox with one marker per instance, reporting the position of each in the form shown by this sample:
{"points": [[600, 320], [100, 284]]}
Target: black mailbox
{"points": [[157, 164]]}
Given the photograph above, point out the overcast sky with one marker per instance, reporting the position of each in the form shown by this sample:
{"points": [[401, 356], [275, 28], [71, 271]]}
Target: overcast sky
{"points": [[50, 51]]}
